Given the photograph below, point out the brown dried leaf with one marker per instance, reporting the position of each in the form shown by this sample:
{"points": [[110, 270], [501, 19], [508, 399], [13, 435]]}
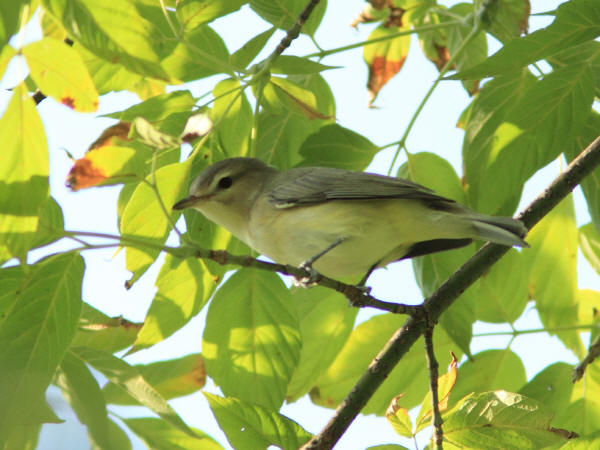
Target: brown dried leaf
{"points": [[385, 58], [109, 136], [84, 175]]}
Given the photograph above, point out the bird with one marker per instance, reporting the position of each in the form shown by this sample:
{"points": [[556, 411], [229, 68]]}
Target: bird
{"points": [[335, 222]]}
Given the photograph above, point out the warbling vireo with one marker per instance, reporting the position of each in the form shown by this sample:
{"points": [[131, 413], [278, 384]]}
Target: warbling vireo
{"points": [[347, 223]]}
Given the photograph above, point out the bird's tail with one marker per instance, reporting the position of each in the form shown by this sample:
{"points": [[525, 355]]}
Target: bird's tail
{"points": [[500, 230]]}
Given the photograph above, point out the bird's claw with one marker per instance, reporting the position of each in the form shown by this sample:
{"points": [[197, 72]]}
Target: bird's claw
{"points": [[311, 279]]}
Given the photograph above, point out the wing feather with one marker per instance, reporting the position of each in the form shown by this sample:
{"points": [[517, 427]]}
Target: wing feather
{"points": [[305, 186]]}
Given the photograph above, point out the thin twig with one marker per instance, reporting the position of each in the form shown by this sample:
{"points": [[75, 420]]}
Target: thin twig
{"points": [[514, 333], [402, 142], [593, 353], [401, 342], [294, 32], [433, 366], [422, 29], [355, 295]]}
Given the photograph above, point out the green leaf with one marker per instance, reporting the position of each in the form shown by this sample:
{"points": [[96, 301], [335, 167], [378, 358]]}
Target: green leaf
{"points": [[250, 50], [192, 13], [434, 172], [507, 19], [184, 287], [145, 220], [83, 393], [487, 371], [589, 242], [384, 58], [284, 14], [249, 426], [476, 50], [284, 94], [398, 418], [108, 76], [251, 343], [540, 125], [583, 413], [504, 290], [586, 53], [145, 132], [50, 225], [60, 73], [9, 20], [387, 447], [553, 277], [118, 438], [12, 280], [133, 39], [326, 322], [23, 172], [577, 21], [199, 54], [335, 146], [280, 136], [157, 108], [551, 387], [171, 378], [588, 302], [432, 270], [500, 419], [101, 332], [158, 434], [131, 381], [555, 108], [589, 442], [296, 65], [591, 184], [233, 117], [24, 437], [37, 325], [207, 234], [491, 107], [364, 344], [6, 55]]}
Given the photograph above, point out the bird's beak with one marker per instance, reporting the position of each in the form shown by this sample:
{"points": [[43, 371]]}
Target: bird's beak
{"points": [[186, 202]]}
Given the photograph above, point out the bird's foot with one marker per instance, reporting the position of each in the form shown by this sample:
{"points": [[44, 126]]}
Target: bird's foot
{"points": [[310, 280]]}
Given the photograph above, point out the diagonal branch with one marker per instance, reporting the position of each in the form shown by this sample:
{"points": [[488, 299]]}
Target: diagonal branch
{"points": [[444, 296]]}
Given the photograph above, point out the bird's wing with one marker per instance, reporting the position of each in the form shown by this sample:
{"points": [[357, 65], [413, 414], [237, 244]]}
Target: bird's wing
{"points": [[304, 186]]}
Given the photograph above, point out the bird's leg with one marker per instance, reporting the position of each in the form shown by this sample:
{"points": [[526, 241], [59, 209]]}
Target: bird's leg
{"points": [[307, 265], [362, 283]]}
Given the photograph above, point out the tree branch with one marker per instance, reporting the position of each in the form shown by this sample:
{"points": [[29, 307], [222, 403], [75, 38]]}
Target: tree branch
{"points": [[444, 296], [355, 295], [433, 365], [593, 353]]}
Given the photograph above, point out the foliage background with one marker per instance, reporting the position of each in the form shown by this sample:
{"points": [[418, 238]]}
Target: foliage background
{"points": [[435, 131]]}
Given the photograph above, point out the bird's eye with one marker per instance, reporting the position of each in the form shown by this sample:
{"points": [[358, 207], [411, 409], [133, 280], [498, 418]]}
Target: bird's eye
{"points": [[225, 182]]}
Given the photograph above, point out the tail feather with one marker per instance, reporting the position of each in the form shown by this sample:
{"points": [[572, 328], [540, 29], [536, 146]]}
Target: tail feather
{"points": [[500, 230]]}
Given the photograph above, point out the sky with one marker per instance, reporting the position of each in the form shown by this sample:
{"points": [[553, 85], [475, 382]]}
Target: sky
{"points": [[434, 131]]}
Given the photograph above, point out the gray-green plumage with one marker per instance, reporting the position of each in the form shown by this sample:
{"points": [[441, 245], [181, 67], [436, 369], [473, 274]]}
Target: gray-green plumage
{"points": [[292, 215]]}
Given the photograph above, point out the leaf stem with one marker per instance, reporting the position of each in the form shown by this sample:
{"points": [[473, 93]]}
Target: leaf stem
{"points": [[515, 333], [169, 21], [240, 87], [435, 26], [402, 142]]}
